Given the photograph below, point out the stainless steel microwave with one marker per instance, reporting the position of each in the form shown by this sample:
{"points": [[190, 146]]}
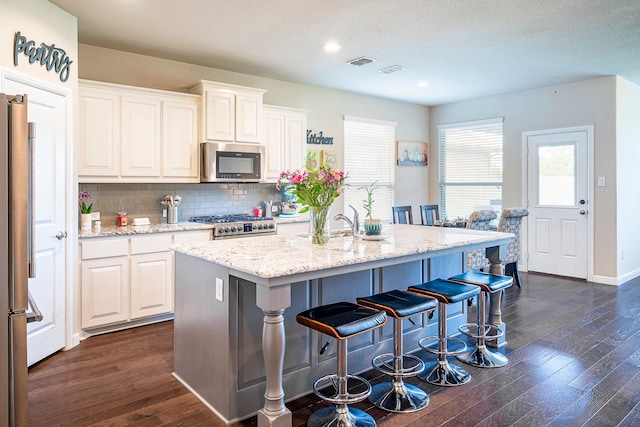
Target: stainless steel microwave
{"points": [[231, 162]]}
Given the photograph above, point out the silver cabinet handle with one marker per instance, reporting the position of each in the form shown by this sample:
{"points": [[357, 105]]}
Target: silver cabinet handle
{"points": [[35, 315], [61, 235], [582, 212], [31, 138]]}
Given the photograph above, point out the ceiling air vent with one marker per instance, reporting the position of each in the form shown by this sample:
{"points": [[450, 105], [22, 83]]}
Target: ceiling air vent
{"points": [[391, 69], [361, 61]]}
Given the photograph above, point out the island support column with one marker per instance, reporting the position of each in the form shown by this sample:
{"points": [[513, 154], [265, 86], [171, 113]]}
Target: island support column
{"points": [[495, 255], [273, 301]]}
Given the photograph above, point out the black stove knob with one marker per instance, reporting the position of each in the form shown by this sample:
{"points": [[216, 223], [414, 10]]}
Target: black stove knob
{"points": [[271, 225], [221, 230], [234, 228], [227, 229]]}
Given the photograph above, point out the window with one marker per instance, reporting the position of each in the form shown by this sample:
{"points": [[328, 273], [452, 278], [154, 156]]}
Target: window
{"points": [[369, 156], [470, 167]]}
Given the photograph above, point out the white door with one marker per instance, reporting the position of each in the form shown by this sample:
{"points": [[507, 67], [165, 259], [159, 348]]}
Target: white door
{"points": [[558, 189], [48, 111]]}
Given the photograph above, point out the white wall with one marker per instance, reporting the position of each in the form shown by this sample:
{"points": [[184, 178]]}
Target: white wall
{"points": [[589, 102], [326, 107], [628, 177], [42, 22]]}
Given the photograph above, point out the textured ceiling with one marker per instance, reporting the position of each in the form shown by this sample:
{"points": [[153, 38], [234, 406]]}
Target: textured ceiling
{"points": [[464, 48]]}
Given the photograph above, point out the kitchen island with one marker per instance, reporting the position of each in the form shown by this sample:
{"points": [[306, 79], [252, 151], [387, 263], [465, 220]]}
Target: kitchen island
{"points": [[237, 344]]}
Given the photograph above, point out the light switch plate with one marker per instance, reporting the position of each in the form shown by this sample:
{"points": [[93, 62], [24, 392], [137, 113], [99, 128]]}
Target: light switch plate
{"points": [[601, 181], [219, 288]]}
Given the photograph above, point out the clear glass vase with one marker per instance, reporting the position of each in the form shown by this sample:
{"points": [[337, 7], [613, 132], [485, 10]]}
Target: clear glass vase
{"points": [[319, 231]]}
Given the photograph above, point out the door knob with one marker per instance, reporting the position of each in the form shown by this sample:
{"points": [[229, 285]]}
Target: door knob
{"points": [[61, 235], [583, 212]]}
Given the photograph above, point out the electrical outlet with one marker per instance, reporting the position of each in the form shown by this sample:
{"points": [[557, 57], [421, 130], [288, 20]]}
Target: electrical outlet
{"points": [[601, 181], [95, 216], [164, 213], [219, 289]]}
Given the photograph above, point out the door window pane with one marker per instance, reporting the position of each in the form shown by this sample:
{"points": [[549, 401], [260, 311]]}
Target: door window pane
{"points": [[557, 175]]}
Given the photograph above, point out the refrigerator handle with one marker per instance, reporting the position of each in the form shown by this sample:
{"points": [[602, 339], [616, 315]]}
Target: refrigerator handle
{"points": [[31, 201], [35, 315]]}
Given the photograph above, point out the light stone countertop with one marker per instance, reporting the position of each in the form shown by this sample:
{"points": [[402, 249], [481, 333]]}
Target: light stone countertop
{"points": [[275, 256], [114, 230]]}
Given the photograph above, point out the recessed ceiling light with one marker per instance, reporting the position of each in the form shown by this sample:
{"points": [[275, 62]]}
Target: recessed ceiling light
{"points": [[332, 47], [422, 84]]}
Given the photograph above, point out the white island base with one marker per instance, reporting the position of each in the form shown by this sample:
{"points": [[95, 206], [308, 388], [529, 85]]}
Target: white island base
{"points": [[238, 346]]}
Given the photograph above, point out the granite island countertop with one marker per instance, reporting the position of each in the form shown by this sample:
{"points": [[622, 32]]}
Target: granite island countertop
{"points": [[114, 230], [275, 256]]}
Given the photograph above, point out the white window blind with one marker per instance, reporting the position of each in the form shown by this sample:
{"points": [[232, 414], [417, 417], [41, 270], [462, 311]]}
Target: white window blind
{"points": [[369, 156], [470, 167]]}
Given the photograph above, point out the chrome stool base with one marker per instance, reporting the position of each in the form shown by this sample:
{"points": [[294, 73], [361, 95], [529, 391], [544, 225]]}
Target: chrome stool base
{"points": [[340, 416], [445, 374], [398, 397], [483, 358]]}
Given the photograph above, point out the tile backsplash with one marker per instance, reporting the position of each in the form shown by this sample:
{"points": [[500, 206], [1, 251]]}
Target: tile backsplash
{"points": [[143, 200]]}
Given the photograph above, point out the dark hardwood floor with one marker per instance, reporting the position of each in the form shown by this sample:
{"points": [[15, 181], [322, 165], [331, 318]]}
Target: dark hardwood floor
{"points": [[574, 359]]}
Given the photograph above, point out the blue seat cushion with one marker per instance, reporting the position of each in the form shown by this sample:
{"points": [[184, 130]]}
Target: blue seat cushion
{"points": [[487, 282], [342, 319], [398, 303], [445, 291]]}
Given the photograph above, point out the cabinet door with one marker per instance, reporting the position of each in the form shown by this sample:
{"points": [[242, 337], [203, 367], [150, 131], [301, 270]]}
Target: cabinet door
{"points": [[140, 137], [274, 141], [105, 291], [295, 140], [151, 284], [248, 118], [99, 151], [180, 140], [219, 116]]}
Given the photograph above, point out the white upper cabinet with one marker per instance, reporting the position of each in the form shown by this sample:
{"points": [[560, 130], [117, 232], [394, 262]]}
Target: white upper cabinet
{"points": [[285, 133], [130, 134], [141, 136], [230, 113]]}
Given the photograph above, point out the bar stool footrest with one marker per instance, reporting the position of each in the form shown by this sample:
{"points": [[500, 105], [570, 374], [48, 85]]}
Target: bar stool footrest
{"points": [[333, 416], [491, 332], [330, 382], [384, 363], [427, 346]]}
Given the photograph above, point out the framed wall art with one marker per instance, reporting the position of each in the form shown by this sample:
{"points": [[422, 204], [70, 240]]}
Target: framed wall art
{"points": [[412, 153], [330, 159], [313, 159]]}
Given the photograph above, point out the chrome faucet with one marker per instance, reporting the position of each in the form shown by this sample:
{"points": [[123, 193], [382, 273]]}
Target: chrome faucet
{"points": [[354, 225], [347, 220], [356, 221]]}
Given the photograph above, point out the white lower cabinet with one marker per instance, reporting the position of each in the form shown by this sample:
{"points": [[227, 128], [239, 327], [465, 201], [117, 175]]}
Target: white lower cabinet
{"points": [[105, 291], [127, 281], [151, 284]]}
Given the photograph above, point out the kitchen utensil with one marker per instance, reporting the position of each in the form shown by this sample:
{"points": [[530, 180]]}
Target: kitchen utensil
{"points": [[177, 200], [266, 212]]}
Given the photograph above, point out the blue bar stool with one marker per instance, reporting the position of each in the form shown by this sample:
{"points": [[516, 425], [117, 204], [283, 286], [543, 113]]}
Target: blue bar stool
{"points": [[442, 372], [480, 355], [397, 396], [341, 320]]}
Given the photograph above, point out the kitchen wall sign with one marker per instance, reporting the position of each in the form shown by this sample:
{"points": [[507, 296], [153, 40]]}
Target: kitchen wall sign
{"points": [[49, 56], [313, 138]]}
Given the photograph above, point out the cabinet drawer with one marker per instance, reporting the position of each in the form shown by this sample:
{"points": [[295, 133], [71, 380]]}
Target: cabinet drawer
{"points": [[149, 244], [104, 248], [192, 236]]}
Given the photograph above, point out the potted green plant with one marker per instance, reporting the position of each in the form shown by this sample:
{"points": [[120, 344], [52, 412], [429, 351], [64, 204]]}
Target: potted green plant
{"points": [[372, 226]]}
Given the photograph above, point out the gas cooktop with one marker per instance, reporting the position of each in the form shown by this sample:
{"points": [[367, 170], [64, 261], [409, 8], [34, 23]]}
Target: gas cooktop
{"points": [[240, 225], [217, 219]]}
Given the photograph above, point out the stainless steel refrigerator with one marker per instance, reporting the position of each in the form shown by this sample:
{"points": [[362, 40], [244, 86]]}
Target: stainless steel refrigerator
{"points": [[16, 254]]}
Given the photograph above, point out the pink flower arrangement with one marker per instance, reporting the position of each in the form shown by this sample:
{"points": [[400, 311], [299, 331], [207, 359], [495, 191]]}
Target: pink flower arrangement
{"points": [[315, 187]]}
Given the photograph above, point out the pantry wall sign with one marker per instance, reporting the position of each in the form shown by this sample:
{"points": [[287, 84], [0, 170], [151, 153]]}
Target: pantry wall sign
{"points": [[49, 56]]}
